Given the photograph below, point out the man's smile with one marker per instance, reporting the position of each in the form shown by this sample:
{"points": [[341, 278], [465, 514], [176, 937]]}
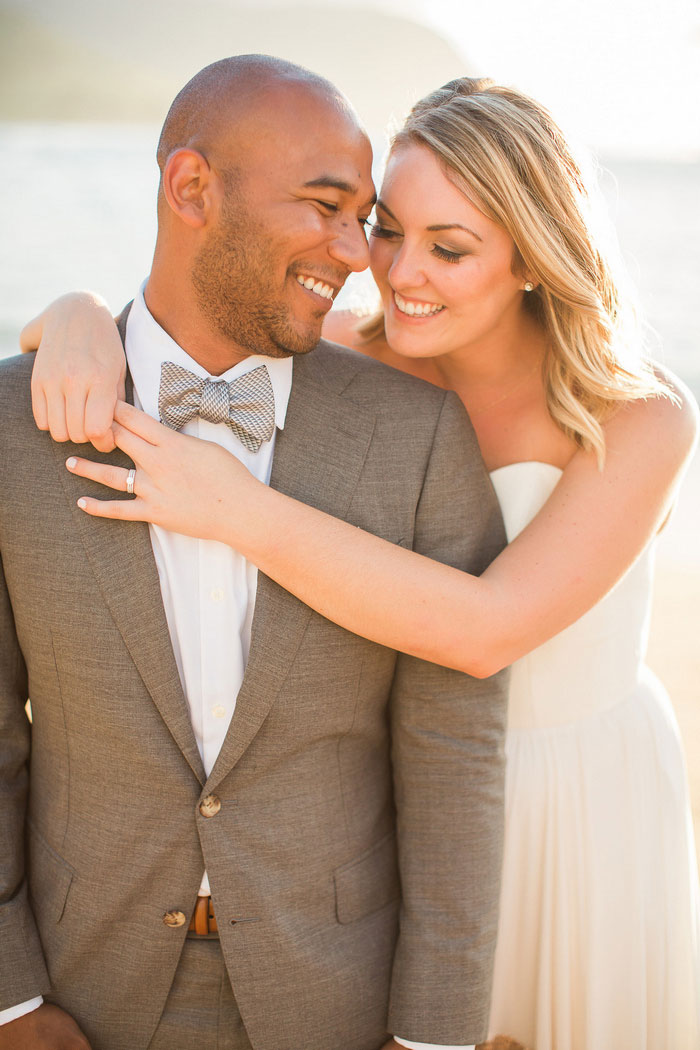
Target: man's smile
{"points": [[314, 284]]}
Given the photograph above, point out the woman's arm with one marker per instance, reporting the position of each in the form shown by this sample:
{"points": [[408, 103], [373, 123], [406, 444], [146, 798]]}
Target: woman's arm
{"points": [[80, 365], [588, 534], [79, 370]]}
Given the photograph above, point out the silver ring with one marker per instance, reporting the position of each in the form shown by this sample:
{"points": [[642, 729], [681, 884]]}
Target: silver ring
{"points": [[130, 479]]}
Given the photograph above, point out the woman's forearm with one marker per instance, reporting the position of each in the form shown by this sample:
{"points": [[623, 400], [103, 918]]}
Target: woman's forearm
{"points": [[583, 540], [393, 596], [590, 531]]}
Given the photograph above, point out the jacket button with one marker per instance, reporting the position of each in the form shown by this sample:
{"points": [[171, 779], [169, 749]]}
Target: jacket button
{"points": [[174, 918], [210, 806]]}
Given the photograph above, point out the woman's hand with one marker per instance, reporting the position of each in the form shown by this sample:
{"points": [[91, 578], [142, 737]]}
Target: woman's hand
{"points": [[79, 370], [182, 483]]}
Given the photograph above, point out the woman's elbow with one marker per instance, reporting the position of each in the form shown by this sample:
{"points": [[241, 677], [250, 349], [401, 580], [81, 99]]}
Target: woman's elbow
{"points": [[481, 661]]}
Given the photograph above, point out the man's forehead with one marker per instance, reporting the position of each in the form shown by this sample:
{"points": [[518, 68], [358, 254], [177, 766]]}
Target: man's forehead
{"points": [[310, 153]]}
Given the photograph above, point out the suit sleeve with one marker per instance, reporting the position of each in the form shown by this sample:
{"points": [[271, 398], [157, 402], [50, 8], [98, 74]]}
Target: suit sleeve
{"points": [[23, 972], [447, 752]]}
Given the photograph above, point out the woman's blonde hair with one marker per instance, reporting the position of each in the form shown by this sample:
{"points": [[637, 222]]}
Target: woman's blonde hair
{"points": [[507, 155]]}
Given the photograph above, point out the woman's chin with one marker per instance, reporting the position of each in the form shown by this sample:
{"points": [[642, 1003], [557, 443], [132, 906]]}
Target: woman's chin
{"points": [[414, 342]]}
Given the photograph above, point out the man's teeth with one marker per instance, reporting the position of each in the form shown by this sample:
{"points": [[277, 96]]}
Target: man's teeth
{"points": [[324, 290], [416, 309]]}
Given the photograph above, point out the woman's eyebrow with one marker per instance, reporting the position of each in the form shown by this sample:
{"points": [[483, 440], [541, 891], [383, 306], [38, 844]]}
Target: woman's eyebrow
{"points": [[432, 229], [453, 226], [382, 205]]}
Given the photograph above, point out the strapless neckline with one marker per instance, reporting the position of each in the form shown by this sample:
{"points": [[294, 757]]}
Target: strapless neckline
{"points": [[527, 463]]}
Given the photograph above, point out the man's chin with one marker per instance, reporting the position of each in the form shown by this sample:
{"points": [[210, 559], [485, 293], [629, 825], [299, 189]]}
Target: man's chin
{"points": [[297, 343], [287, 342]]}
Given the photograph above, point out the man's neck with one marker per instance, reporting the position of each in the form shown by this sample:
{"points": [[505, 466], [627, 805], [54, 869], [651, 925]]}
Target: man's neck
{"points": [[181, 318]]}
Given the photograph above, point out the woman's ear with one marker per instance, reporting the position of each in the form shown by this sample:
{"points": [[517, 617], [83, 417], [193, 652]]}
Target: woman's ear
{"points": [[187, 185]]}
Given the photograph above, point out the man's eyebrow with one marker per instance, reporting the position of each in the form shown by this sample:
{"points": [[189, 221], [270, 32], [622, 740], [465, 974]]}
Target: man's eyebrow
{"points": [[330, 182], [432, 229]]}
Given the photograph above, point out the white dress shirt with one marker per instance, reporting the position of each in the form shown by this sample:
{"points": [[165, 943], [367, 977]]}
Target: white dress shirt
{"points": [[208, 588]]}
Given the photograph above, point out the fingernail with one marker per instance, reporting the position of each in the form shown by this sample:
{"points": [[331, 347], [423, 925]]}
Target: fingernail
{"points": [[82, 503], [72, 462]]}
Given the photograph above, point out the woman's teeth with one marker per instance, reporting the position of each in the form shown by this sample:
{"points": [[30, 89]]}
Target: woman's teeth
{"points": [[416, 309], [324, 290]]}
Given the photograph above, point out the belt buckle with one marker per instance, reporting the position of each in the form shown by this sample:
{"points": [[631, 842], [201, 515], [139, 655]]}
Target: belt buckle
{"points": [[203, 921]]}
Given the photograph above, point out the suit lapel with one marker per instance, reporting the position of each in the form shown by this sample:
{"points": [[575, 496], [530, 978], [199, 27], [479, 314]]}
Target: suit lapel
{"points": [[121, 557], [318, 459]]}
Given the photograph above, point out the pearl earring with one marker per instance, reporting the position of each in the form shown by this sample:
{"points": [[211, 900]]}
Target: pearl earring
{"points": [[528, 286]]}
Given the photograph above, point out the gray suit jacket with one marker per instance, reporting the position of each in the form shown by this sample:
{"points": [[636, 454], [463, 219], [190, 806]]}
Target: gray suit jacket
{"points": [[355, 860]]}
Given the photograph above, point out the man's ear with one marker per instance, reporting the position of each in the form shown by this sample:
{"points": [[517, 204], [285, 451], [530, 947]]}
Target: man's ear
{"points": [[188, 186]]}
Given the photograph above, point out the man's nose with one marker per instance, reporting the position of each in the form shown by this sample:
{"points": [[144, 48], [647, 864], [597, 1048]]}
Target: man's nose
{"points": [[349, 247]]}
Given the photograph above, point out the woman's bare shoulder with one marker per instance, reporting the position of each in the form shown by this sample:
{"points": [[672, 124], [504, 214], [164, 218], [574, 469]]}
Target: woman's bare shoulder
{"points": [[670, 417]]}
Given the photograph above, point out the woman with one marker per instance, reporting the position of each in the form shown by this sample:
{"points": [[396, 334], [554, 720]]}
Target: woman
{"points": [[492, 285]]}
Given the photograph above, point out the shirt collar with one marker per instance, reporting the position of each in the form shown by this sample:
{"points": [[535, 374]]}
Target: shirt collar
{"points": [[147, 345]]}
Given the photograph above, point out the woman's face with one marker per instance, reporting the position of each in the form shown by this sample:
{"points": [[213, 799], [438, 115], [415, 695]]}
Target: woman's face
{"points": [[444, 270]]}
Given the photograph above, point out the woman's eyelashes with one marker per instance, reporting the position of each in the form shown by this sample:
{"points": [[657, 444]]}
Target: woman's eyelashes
{"points": [[377, 230], [446, 254]]}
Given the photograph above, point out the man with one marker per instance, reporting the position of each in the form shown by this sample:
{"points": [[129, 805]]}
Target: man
{"points": [[210, 809]]}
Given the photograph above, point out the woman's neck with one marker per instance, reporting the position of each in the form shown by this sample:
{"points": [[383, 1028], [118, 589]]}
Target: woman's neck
{"points": [[489, 371], [501, 386]]}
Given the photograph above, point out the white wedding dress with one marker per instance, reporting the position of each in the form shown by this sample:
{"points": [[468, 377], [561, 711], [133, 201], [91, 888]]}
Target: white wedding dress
{"points": [[599, 935]]}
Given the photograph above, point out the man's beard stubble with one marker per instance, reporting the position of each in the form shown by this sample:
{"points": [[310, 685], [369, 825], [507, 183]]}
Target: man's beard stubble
{"points": [[231, 276]]}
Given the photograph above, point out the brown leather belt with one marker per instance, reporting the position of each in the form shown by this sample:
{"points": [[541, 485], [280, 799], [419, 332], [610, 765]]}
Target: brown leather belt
{"points": [[203, 921]]}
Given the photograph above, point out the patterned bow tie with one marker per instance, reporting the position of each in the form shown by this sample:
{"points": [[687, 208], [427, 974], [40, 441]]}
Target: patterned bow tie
{"points": [[246, 405]]}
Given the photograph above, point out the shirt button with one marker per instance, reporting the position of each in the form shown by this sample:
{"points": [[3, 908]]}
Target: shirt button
{"points": [[210, 806], [174, 918], [217, 595], [219, 711]]}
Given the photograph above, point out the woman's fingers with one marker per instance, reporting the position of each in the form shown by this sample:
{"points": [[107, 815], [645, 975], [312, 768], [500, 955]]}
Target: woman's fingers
{"points": [[99, 414], [103, 473], [121, 509], [113, 478], [40, 407], [137, 448], [56, 415], [74, 402], [141, 424]]}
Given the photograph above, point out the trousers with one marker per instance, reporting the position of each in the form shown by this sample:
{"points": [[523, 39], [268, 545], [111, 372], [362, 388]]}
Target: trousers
{"points": [[200, 1012]]}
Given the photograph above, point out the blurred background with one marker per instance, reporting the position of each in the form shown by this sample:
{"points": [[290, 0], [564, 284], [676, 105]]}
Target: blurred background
{"points": [[85, 85]]}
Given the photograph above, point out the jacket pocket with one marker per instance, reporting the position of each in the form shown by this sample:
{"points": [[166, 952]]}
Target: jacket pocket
{"points": [[367, 883], [50, 878]]}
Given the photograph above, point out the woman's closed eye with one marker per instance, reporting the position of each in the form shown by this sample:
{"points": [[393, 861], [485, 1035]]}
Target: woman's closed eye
{"points": [[377, 230], [447, 255]]}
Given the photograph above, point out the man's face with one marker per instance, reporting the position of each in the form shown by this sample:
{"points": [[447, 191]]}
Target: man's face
{"points": [[290, 228]]}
